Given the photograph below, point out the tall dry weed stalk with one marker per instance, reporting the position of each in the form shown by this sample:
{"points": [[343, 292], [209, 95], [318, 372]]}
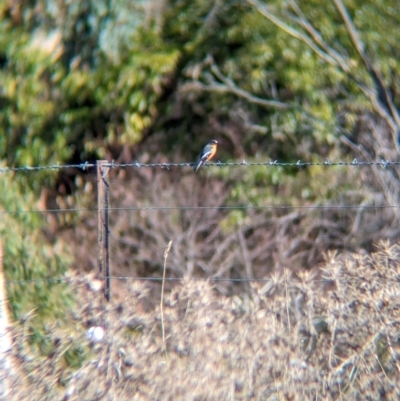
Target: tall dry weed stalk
{"points": [[167, 249]]}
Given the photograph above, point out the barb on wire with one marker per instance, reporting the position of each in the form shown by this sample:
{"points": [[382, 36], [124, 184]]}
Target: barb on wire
{"points": [[272, 163]]}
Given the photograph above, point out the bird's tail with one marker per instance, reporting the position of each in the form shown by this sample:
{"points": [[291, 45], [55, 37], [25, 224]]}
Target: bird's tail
{"points": [[198, 165]]}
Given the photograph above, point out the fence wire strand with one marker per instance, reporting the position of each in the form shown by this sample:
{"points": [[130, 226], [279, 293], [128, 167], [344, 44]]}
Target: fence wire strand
{"points": [[272, 163], [182, 208], [60, 280]]}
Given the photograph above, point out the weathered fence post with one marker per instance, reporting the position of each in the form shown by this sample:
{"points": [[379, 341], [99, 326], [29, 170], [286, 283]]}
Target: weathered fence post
{"points": [[102, 220]]}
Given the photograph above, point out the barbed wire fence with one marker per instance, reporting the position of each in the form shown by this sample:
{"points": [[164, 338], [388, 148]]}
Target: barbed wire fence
{"points": [[103, 207], [272, 163]]}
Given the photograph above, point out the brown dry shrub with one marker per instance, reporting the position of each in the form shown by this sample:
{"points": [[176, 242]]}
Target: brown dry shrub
{"points": [[292, 337], [150, 207]]}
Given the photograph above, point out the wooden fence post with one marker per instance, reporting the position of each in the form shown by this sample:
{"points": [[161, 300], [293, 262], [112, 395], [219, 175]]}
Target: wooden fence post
{"points": [[102, 221]]}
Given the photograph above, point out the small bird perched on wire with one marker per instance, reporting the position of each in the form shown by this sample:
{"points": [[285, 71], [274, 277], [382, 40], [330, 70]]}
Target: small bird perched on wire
{"points": [[207, 154]]}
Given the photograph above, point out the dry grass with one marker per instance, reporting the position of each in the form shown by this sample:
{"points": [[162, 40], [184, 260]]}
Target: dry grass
{"points": [[327, 336]]}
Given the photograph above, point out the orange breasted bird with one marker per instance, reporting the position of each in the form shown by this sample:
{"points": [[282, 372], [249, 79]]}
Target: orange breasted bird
{"points": [[207, 154]]}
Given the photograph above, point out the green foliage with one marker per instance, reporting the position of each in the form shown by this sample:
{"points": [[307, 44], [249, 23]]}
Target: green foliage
{"points": [[76, 354], [262, 60], [67, 92], [30, 263]]}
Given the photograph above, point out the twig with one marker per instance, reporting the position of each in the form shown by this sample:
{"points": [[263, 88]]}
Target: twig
{"points": [[167, 249]]}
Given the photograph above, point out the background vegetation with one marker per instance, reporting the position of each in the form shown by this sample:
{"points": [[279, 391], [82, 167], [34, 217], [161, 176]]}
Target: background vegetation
{"points": [[286, 339], [155, 80]]}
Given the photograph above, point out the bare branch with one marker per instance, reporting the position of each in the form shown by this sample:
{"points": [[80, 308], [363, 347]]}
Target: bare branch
{"points": [[292, 32], [216, 87], [226, 85], [242, 93], [351, 29], [317, 37], [382, 94]]}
